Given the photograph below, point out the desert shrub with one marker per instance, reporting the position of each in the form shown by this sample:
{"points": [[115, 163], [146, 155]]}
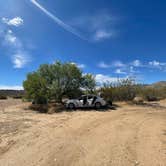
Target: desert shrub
{"points": [[55, 108], [17, 97], [48, 108], [123, 90], [138, 100], [43, 108], [152, 93], [2, 97], [127, 90]]}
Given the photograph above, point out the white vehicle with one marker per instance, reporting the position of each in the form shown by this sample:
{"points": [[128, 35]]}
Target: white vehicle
{"points": [[86, 101]]}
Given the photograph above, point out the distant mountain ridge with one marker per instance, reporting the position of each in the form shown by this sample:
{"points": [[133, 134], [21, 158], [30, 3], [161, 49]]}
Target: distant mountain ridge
{"points": [[11, 93], [159, 84]]}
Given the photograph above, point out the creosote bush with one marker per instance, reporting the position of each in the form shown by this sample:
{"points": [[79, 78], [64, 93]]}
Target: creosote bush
{"points": [[122, 90], [127, 90]]}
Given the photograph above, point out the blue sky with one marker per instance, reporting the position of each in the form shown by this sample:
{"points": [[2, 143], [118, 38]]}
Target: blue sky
{"points": [[109, 38]]}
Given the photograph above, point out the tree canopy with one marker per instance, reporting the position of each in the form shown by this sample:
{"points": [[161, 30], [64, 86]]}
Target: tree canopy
{"points": [[53, 81]]}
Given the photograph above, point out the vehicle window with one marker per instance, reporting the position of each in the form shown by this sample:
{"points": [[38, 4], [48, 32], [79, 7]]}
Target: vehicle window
{"points": [[82, 98], [90, 97]]}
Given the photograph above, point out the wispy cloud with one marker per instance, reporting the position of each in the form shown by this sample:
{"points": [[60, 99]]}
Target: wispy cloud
{"points": [[57, 20], [17, 21], [100, 79], [133, 67], [20, 59], [120, 71], [81, 66], [136, 63], [158, 65], [118, 64], [102, 35], [114, 64], [11, 39], [19, 56], [12, 87], [104, 65], [97, 27]]}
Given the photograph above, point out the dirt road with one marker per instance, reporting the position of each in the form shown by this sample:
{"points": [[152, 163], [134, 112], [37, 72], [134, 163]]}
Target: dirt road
{"points": [[128, 136]]}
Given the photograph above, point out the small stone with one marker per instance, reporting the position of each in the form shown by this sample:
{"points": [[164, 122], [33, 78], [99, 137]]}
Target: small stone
{"points": [[136, 163]]}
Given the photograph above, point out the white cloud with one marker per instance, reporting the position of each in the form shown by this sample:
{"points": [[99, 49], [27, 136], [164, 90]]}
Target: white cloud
{"points": [[17, 21], [119, 71], [155, 63], [137, 63], [100, 79], [122, 68], [158, 65], [10, 38], [20, 60], [102, 35], [57, 20], [132, 70], [103, 65], [18, 55], [81, 66], [118, 64], [98, 26], [12, 87]]}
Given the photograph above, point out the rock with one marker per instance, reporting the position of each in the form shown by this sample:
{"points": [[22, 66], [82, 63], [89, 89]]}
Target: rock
{"points": [[138, 100]]}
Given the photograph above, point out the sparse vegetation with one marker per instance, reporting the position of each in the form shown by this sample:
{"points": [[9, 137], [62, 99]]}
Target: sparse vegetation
{"points": [[16, 94], [123, 90], [128, 90], [65, 80]]}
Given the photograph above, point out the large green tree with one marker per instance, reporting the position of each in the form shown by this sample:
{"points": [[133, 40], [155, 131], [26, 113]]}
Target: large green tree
{"points": [[36, 88], [89, 83], [53, 81]]}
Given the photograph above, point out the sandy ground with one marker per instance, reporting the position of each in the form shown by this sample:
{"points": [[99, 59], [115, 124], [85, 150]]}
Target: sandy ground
{"points": [[127, 136]]}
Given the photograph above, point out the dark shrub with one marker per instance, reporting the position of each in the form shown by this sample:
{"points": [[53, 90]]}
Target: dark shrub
{"points": [[17, 97], [3, 97], [152, 98], [43, 108]]}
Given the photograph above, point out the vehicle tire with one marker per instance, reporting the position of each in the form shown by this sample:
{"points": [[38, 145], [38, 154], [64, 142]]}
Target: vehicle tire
{"points": [[98, 105], [71, 106]]}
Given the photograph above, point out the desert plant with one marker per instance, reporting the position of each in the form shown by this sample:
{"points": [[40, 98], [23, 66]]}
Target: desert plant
{"points": [[52, 82], [122, 90], [36, 88], [2, 97], [17, 97]]}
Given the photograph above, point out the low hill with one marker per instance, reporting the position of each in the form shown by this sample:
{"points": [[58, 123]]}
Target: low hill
{"points": [[12, 93], [159, 84]]}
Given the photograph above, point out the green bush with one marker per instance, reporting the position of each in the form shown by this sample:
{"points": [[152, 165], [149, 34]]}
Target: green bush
{"points": [[52, 82]]}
